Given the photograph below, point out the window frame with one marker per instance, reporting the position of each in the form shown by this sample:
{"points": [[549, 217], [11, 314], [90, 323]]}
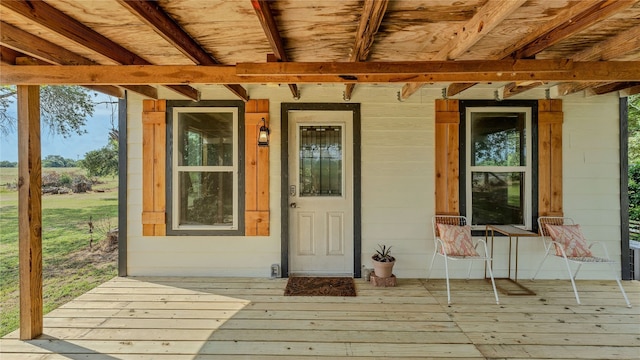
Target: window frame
{"points": [[531, 186], [173, 170]]}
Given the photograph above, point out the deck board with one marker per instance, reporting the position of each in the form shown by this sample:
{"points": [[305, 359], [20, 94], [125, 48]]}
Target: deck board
{"points": [[228, 318]]}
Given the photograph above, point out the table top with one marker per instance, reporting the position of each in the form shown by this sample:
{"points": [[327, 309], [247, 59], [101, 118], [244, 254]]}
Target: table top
{"points": [[510, 230]]}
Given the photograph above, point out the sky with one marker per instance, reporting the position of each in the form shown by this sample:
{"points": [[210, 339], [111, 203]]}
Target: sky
{"points": [[73, 147]]}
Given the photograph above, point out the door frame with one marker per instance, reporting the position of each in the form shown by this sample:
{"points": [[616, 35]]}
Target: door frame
{"points": [[284, 179]]}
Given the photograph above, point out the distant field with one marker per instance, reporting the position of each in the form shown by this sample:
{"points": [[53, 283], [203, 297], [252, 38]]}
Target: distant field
{"points": [[70, 266]]}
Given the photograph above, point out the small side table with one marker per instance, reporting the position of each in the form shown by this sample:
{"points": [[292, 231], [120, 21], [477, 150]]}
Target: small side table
{"points": [[510, 231]]}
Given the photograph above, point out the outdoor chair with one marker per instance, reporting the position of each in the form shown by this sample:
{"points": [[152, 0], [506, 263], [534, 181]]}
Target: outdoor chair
{"points": [[563, 239], [453, 241]]}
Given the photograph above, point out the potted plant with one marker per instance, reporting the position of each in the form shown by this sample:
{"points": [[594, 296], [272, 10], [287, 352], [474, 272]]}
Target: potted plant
{"points": [[383, 262]]}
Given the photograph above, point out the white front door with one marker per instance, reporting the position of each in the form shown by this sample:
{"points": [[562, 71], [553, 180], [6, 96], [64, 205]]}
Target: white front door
{"points": [[321, 192]]}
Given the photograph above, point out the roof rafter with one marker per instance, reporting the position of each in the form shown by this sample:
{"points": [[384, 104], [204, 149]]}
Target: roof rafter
{"points": [[372, 14], [485, 19], [569, 22], [620, 45], [46, 15], [31, 45], [270, 27], [164, 25], [611, 87]]}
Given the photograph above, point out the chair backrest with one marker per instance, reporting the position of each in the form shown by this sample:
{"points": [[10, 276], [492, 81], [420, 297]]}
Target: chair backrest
{"points": [[551, 220], [446, 219]]}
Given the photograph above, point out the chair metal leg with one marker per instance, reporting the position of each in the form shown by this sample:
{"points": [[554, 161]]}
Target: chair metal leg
{"points": [[493, 282], [540, 266], [615, 275], [573, 283], [433, 258], [446, 272]]}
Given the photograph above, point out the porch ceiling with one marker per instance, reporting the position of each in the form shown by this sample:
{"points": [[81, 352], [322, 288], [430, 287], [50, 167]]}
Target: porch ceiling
{"points": [[437, 34]]}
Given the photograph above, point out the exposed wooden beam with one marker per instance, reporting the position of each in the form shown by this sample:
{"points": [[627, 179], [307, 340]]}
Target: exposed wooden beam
{"points": [[50, 53], [12, 57], [612, 87], [613, 48], [569, 88], [30, 212], [46, 15], [485, 20], [618, 46], [341, 72], [568, 22], [512, 89], [372, 14], [592, 15], [630, 91], [164, 25], [506, 68], [270, 28]]}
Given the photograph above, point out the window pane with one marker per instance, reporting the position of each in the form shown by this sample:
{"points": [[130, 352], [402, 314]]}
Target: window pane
{"points": [[321, 161], [206, 198], [205, 139], [498, 198], [498, 139]]}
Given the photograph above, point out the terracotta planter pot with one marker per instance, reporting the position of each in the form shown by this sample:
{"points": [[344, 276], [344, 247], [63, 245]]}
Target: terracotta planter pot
{"points": [[383, 269]]}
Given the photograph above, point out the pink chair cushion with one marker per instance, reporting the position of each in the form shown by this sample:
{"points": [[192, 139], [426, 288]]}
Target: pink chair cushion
{"points": [[457, 240], [571, 239]]}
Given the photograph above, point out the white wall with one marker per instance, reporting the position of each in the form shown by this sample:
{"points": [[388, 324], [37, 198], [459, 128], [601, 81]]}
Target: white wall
{"points": [[397, 186]]}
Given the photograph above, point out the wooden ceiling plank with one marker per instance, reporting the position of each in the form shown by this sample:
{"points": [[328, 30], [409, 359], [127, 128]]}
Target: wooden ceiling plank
{"points": [[164, 25], [270, 28], [372, 14], [573, 25], [570, 21], [485, 20], [341, 72], [46, 15], [50, 53]]}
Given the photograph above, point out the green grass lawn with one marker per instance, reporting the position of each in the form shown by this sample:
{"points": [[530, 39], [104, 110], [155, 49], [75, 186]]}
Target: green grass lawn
{"points": [[70, 266]]}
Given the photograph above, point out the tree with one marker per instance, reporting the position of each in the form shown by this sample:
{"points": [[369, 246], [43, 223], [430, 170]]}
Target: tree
{"points": [[102, 162], [634, 157], [634, 128], [63, 109], [52, 161]]}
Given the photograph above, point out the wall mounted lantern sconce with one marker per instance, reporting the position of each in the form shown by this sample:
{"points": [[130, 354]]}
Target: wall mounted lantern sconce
{"points": [[263, 135]]}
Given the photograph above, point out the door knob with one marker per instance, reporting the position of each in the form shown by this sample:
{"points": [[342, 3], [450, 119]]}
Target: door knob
{"points": [[293, 205]]}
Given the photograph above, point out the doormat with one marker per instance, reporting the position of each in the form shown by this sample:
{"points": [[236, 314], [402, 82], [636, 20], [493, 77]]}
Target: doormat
{"points": [[320, 286]]}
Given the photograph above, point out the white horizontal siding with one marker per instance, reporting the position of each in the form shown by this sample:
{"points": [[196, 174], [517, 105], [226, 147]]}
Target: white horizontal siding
{"points": [[397, 186]]}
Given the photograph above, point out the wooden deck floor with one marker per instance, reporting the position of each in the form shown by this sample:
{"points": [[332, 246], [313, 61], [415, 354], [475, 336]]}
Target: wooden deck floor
{"points": [[239, 318]]}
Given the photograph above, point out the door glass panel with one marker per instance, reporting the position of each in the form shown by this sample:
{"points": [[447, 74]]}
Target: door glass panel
{"points": [[498, 198], [320, 161]]}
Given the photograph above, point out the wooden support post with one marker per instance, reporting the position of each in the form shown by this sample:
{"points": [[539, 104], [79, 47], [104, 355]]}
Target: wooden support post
{"points": [[30, 212]]}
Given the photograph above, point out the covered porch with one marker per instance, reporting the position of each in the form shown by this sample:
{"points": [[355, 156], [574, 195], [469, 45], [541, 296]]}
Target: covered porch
{"points": [[241, 318]]}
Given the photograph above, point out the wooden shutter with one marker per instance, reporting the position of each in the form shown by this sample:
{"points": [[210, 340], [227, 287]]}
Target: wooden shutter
{"points": [[154, 135], [550, 119], [256, 170], [447, 157]]}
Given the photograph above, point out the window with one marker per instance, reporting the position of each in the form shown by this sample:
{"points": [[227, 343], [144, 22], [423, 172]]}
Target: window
{"points": [[205, 170], [498, 180]]}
